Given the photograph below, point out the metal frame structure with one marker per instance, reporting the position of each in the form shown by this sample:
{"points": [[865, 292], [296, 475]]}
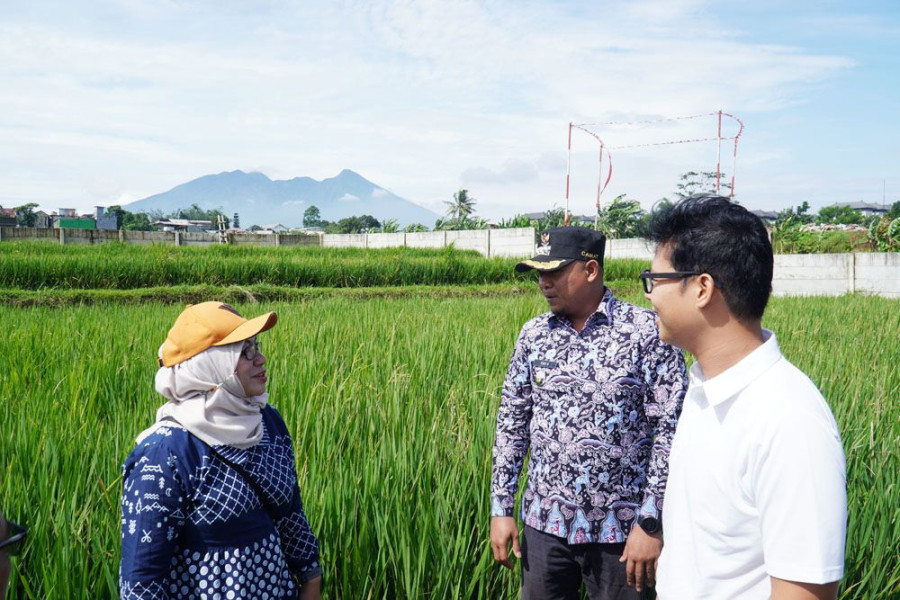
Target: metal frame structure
{"points": [[602, 184]]}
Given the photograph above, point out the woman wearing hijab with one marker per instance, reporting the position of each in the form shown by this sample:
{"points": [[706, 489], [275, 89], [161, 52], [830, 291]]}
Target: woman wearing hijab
{"points": [[210, 504]]}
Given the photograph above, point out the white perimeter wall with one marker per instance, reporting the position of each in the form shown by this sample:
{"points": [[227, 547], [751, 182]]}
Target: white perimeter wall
{"points": [[489, 242], [836, 274], [629, 248], [795, 274]]}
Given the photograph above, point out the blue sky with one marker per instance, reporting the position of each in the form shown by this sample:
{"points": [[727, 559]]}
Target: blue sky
{"points": [[108, 101]]}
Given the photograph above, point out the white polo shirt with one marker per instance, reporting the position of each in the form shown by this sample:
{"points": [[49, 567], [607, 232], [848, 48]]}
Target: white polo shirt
{"points": [[757, 484]]}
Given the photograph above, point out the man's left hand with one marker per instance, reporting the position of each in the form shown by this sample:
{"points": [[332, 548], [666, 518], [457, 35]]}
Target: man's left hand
{"points": [[641, 555]]}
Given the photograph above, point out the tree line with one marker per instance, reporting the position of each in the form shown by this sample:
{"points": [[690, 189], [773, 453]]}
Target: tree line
{"points": [[619, 218]]}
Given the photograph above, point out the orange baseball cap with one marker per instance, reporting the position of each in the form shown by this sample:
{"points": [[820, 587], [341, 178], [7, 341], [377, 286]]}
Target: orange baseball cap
{"points": [[202, 326]]}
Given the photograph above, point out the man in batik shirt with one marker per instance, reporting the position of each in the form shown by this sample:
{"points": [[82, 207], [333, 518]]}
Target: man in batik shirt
{"points": [[595, 395]]}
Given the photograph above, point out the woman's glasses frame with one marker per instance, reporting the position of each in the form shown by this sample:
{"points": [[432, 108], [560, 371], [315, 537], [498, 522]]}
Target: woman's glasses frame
{"points": [[252, 348]]}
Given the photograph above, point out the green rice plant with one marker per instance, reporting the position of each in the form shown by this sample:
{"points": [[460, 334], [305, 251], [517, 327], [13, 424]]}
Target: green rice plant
{"points": [[39, 265], [391, 402]]}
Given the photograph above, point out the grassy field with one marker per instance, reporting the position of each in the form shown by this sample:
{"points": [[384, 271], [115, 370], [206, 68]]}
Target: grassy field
{"points": [[392, 403], [38, 265]]}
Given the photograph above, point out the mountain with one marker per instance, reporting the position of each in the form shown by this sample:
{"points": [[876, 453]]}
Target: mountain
{"points": [[260, 201]]}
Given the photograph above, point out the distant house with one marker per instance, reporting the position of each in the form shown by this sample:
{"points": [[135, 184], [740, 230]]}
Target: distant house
{"points": [[768, 216], [74, 223], [7, 217], [41, 220], [276, 228], [108, 221], [184, 225], [67, 218], [866, 208]]}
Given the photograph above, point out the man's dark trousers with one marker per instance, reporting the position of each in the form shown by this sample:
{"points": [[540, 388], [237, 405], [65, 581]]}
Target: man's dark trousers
{"points": [[553, 569]]}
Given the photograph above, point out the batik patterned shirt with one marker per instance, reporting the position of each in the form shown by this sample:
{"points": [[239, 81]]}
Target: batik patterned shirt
{"points": [[193, 528], [598, 409]]}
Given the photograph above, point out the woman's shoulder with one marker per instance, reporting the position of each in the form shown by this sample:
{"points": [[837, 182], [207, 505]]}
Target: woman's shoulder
{"points": [[165, 440], [273, 420]]}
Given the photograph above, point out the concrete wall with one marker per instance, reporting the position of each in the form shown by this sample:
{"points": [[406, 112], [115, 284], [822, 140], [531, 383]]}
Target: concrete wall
{"points": [[88, 236], [298, 239], [515, 243], [192, 238], [812, 274], [795, 274], [253, 239], [426, 239], [629, 248], [344, 240], [878, 273], [489, 242], [15, 234], [476, 239], [98, 236], [386, 240], [147, 237], [837, 274]]}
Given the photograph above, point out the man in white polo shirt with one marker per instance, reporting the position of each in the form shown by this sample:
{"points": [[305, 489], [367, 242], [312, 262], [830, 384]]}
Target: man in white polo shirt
{"points": [[756, 497]]}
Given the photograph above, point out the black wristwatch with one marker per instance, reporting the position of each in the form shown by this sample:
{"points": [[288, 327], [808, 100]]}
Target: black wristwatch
{"points": [[649, 524]]}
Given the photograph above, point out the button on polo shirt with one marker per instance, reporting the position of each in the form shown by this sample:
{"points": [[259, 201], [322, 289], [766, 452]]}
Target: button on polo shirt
{"points": [[757, 484]]}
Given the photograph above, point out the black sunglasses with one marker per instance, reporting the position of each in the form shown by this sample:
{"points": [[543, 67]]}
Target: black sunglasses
{"points": [[647, 277], [12, 545]]}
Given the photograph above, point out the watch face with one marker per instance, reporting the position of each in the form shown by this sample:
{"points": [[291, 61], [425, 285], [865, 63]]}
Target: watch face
{"points": [[649, 524]]}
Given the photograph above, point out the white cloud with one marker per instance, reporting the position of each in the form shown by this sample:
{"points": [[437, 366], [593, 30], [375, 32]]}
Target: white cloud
{"points": [[421, 98], [348, 198], [511, 171]]}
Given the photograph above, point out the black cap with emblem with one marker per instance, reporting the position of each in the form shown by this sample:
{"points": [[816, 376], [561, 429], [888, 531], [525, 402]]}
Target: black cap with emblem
{"points": [[562, 245]]}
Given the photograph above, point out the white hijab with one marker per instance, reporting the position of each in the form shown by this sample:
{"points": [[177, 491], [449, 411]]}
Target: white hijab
{"points": [[206, 398]]}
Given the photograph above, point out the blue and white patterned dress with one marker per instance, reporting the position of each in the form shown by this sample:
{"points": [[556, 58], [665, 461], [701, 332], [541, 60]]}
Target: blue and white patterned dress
{"points": [[193, 528]]}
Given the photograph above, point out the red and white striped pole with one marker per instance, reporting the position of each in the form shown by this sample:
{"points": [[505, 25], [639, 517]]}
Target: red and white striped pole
{"points": [[568, 171], [719, 154]]}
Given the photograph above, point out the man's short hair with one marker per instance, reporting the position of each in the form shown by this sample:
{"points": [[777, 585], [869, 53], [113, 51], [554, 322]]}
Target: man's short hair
{"points": [[712, 234]]}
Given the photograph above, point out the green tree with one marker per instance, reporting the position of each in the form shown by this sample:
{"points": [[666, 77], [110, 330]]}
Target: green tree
{"points": [[354, 224], [195, 213], [515, 222], [884, 232], [312, 217], [415, 228], [555, 217], [460, 207], [693, 183], [25, 216], [389, 226], [620, 218], [795, 215], [839, 215], [130, 221], [894, 213]]}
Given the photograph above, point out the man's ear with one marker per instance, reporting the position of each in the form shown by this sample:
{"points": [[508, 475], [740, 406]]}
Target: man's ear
{"points": [[706, 287], [594, 271]]}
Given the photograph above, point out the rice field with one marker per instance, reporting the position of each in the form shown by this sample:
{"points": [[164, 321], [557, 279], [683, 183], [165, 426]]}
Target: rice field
{"points": [[391, 402], [42, 265]]}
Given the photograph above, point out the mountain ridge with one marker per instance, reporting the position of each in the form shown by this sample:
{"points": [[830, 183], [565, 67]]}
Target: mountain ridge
{"points": [[259, 200]]}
